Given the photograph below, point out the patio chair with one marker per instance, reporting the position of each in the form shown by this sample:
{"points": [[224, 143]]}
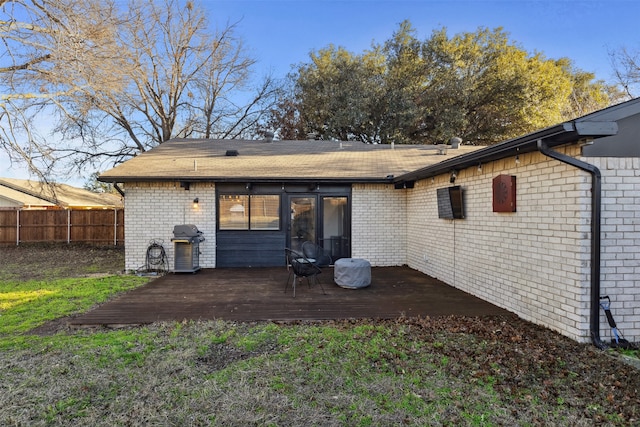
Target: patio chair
{"points": [[301, 267], [317, 254]]}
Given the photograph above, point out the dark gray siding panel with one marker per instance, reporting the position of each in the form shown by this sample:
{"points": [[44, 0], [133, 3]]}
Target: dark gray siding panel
{"points": [[625, 144], [250, 249]]}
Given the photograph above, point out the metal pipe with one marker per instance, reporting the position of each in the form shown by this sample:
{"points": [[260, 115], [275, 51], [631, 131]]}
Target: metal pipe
{"points": [[596, 215], [118, 189]]}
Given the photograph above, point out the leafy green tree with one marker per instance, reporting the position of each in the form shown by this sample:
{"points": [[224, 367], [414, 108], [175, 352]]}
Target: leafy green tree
{"points": [[92, 184], [484, 89], [479, 86], [407, 120], [336, 94], [587, 94]]}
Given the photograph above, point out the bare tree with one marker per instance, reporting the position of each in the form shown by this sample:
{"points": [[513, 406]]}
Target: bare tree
{"points": [[48, 46], [113, 82], [626, 66]]}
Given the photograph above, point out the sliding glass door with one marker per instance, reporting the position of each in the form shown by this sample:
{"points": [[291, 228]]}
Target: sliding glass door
{"points": [[323, 220]]}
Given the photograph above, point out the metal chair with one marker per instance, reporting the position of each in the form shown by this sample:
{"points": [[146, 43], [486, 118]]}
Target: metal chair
{"points": [[317, 254], [301, 267]]}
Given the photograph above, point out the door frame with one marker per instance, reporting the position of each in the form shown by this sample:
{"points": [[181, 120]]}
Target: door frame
{"points": [[318, 236]]}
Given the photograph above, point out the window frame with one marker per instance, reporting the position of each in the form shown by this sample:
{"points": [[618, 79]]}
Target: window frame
{"points": [[250, 226]]}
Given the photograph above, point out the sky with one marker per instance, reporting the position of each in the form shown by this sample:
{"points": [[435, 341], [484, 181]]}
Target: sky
{"points": [[282, 33]]}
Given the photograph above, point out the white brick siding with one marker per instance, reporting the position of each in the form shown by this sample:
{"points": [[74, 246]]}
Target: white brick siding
{"points": [[620, 256], [151, 211], [379, 224], [534, 262]]}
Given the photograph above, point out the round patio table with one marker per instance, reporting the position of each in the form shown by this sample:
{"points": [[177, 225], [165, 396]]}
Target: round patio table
{"points": [[352, 273]]}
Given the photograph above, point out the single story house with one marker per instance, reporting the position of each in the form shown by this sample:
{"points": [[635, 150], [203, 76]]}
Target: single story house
{"points": [[542, 225], [29, 195]]}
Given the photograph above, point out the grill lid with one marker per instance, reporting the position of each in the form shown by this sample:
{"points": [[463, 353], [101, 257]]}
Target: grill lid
{"points": [[186, 230]]}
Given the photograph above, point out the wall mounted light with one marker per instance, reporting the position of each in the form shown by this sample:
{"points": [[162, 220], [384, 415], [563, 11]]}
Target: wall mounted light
{"points": [[196, 201], [517, 159], [479, 167], [453, 176]]}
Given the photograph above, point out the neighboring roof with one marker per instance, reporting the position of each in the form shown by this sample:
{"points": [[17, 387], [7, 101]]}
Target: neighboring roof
{"points": [[599, 124], [19, 199], [277, 161], [37, 194]]}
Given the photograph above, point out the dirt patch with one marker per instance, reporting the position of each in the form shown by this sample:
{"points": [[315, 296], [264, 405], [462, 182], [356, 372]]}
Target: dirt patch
{"points": [[50, 261]]}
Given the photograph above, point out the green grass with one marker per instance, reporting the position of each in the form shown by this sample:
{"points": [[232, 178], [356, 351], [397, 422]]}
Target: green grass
{"points": [[26, 305], [350, 373]]}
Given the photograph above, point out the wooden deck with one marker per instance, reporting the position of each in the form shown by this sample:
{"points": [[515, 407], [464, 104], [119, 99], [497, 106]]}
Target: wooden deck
{"points": [[257, 294]]}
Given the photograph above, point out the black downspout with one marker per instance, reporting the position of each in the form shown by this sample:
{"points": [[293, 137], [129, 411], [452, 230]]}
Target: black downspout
{"points": [[118, 189], [596, 214]]}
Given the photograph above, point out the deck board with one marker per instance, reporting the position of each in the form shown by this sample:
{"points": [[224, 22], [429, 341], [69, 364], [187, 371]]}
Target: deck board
{"points": [[257, 294]]}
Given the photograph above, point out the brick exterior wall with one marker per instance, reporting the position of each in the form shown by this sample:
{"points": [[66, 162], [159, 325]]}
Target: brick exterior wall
{"points": [[620, 256], [379, 224], [534, 262], [151, 211]]}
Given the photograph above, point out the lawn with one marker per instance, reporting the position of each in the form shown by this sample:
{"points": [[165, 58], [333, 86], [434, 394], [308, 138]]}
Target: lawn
{"points": [[409, 371]]}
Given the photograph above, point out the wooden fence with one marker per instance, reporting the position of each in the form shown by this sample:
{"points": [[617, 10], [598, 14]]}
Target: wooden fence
{"points": [[100, 227]]}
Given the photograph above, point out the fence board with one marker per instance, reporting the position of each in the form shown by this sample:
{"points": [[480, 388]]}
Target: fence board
{"points": [[104, 226], [8, 226]]}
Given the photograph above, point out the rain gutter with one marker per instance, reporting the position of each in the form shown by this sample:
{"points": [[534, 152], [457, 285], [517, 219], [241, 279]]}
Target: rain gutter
{"points": [[565, 133], [596, 216]]}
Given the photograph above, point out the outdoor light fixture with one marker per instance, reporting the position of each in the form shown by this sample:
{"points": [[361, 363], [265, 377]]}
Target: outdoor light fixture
{"points": [[195, 203], [452, 178], [479, 167], [517, 159]]}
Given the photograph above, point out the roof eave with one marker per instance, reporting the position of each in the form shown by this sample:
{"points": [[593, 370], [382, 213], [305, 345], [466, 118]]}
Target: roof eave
{"points": [[564, 133], [364, 180]]}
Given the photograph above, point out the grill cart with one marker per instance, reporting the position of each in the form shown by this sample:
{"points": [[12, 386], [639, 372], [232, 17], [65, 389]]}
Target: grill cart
{"points": [[186, 244]]}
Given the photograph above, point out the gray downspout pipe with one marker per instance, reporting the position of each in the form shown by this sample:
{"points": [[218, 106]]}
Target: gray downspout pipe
{"points": [[596, 215]]}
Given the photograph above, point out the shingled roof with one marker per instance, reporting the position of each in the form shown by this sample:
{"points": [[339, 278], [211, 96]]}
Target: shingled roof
{"points": [[29, 193], [243, 160]]}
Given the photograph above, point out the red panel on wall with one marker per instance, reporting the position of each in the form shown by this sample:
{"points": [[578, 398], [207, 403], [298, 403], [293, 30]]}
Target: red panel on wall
{"points": [[504, 193]]}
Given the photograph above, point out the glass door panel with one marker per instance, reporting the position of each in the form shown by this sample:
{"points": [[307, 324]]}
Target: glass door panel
{"points": [[303, 221], [335, 227]]}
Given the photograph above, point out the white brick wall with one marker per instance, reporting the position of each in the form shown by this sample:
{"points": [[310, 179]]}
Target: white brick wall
{"points": [[620, 263], [151, 211], [534, 262], [379, 224]]}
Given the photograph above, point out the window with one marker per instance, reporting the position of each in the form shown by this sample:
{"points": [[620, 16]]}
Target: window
{"points": [[265, 212], [234, 212], [243, 212]]}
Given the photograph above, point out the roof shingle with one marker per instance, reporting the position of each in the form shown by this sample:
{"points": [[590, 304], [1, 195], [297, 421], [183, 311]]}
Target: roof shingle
{"points": [[205, 159]]}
